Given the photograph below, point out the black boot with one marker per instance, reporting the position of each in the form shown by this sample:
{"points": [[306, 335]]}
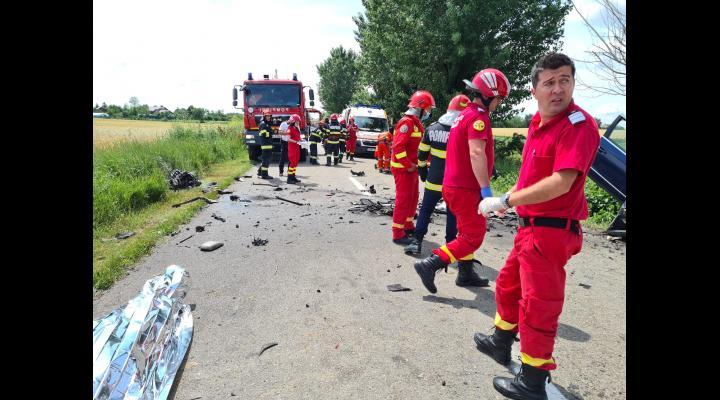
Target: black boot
{"points": [[410, 232], [498, 345], [292, 179], [467, 276], [328, 163], [528, 384], [405, 240], [427, 268], [415, 247], [266, 176]]}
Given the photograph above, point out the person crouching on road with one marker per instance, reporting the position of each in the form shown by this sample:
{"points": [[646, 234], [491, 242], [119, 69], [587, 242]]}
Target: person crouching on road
{"points": [[468, 167], [549, 197], [266, 146], [382, 151], [434, 144], [293, 147], [408, 133]]}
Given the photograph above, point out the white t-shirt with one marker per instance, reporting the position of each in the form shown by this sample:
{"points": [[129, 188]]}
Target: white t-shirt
{"points": [[283, 129]]}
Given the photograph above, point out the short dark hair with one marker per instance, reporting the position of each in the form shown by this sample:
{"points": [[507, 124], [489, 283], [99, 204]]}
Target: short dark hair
{"points": [[551, 61]]}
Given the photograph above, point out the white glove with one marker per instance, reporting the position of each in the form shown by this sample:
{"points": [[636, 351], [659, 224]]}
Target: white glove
{"points": [[490, 204]]}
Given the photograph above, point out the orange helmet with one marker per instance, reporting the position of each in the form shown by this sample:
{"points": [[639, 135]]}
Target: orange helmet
{"points": [[422, 99], [458, 103], [334, 116], [490, 83]]}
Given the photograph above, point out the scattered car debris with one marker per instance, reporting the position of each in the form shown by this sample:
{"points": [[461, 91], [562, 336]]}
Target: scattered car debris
{"points": [[398, 288], [279, 189], [180, 179], [210, 246], [124, 235], [234, 197], [375, 207], [289, 201], [259, 242], [305, 215], [223, 191], [361, 173], [175, 233], [153, 362], [195, 199], [239, 179], [247, 176], [586, 286], [199, 228], [266, 346], [263, 184], [209, 187], [217, 217], [372, 189], [185, 239]]}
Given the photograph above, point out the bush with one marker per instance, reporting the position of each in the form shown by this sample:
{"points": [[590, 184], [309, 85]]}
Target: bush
{"points": [[602, 207]]}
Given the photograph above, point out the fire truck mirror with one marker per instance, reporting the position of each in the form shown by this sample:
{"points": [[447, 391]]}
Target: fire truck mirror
{"points": [[234, 96], [312, 96]]}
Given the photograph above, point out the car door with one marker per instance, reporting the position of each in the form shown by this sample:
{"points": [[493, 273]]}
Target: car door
{"points": [[609, 168]]}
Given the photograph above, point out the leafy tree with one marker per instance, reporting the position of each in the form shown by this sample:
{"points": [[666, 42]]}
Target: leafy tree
{"points": [[599, 122], [338, 79], [134, 102], [114, 111], [407, 45]]}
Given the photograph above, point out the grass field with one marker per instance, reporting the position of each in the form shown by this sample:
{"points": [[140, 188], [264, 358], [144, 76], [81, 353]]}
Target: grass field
{"points": [[107, 132]]}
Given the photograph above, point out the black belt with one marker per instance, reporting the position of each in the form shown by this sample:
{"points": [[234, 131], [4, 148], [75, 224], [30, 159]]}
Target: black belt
{"points": [[560, 223]]}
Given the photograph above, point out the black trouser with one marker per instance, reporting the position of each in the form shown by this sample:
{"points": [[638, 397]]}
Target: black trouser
{"points": [[313, 152], [283, 155], [429, 201], [332, 150], [265, 157], [341, 149]]}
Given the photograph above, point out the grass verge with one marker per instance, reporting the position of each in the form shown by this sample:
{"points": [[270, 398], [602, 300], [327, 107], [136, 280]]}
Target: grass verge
{"points": [[152, 223]]}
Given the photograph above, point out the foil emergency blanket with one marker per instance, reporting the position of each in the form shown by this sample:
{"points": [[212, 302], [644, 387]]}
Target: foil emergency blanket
{"points": [[138, 348]]}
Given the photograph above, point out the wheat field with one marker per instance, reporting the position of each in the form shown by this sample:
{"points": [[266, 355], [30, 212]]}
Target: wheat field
{"points": [[107, 132]]}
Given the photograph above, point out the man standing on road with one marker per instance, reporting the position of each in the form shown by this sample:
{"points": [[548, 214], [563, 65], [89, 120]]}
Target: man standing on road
{"points": [[266, 146], [342, 139], [468, 166], [434, 144], [283, 145], [332, 140], [293, 148], [351, 139], [550, 201], [408, 134], [316, 137]]}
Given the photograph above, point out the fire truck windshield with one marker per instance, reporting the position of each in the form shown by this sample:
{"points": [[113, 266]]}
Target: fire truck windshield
{"points": [[272, 95], [371, 124]]}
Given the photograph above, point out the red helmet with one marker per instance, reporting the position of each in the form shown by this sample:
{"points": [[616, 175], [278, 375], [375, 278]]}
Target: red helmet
{"points": [[334, 116], [490, 83], [341, 121], [458, 103], [293, 118], [422, 99]]}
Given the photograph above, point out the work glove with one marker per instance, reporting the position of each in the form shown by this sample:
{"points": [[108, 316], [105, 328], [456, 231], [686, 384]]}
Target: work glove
{"points": [[423, 171], [490, 204]]}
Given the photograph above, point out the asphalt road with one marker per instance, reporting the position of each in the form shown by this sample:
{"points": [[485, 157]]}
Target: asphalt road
{"points": [[319, 289]]}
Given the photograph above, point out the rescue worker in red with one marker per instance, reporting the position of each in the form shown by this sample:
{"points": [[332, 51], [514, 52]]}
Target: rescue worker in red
{"points": [[550, 202], [408, 134], [351, 139], [382, 151], [293, 147], [468, 165]]}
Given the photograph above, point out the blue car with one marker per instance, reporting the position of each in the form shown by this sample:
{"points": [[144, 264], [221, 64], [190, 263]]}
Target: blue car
{"points": [[608, 170]]}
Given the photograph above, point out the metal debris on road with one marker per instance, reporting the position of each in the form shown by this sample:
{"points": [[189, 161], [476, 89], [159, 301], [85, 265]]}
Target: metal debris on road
{"points": [[124, 235], [199, 228], [222, 191], [278, 189], [217, 217], [289, 201], [305, 215], [263, 184], [185, 239], [180, 179], [209, 187], [138, 348], [195, 199], [586, 286], [398, 288], [372, 189], [375, 207], [210, 246], [361, 173], [259, 242], [266, 346]]}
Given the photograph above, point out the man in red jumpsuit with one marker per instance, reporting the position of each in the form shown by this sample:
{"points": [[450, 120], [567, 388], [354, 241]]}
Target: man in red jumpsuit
{"points": [[550, 201], [293, 147], [408, 134], [351, 139], [468, 167]]}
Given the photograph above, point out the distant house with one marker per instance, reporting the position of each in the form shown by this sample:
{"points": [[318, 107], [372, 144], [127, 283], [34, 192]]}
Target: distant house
{"points": [[159, 110], [101, 115]]}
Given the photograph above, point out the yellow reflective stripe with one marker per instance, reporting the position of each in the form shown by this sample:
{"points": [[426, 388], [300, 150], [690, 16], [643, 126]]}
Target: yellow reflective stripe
{"points": [[396, 164], [535, 362], [394, 225], [446, 251], [422, 163], [401, 155], [416, 134], [424, 147], [468, 257], [266, 147], [263, 131], [263, 168], [506, 326], [409, 219], [432, 186], [438, 153], [331, 142]]}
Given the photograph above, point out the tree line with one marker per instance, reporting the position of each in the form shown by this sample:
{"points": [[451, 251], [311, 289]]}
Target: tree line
{"points": [[135, 110]]}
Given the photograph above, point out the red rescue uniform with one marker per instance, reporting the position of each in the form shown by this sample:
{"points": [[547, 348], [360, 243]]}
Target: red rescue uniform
{"points": [[293, 150], [408, 134], [382, 151], [530, 289], [460, 189], [352, 139]]}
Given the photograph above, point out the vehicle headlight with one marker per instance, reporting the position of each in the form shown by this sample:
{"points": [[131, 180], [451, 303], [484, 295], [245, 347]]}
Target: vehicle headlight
{"points": [[249, 136]]}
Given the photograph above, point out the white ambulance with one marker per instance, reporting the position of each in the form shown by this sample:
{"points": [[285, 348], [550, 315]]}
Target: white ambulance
{"points": [[371, 121]]}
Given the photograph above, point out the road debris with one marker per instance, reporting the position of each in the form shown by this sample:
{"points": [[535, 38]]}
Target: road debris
{"points": [[372, 189], [263, 184], [305, 215], [153, 362], [375, 207], [175, 233], [180, 179], [289, 201], [361, 173], [222, 191], [239, 179], [259, 242], [266, 346], [279, 189], [185, 239], [217, 217], [124, 235], [398, 288], [209, 187], [195, 199], [199, 228], [586, 286], [210, 246]]}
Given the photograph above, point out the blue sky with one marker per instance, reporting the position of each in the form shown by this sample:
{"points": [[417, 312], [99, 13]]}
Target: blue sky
{"points": [[180, 53]]}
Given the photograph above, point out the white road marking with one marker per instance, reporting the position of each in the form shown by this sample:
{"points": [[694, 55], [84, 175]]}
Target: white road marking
{"points": [[360, 186]]}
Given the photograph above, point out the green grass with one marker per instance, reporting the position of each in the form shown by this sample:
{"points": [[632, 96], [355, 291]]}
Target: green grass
{"points": [[131, 193]]}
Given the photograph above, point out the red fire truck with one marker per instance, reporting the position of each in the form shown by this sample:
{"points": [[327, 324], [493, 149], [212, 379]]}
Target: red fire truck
{"points": [[282, 97]]}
